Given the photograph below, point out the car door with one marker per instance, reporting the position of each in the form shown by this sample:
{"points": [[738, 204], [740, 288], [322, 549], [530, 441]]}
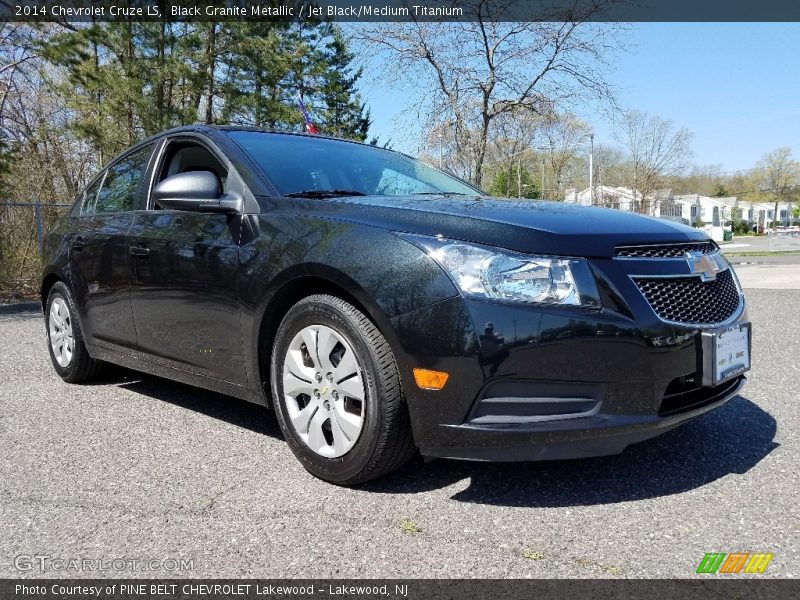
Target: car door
{"points": [[184, 266], [98, 255]]}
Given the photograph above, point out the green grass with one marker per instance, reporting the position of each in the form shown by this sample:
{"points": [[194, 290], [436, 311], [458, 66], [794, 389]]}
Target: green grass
{"points": [[531, 555], [408, 526], [587, 563]]}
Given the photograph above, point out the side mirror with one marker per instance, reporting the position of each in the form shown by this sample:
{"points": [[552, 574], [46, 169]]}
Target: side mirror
{"points": [[196, 191]]}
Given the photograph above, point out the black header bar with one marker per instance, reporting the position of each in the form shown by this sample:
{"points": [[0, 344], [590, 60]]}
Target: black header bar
{"points": [[402, 10], [708, 587]]}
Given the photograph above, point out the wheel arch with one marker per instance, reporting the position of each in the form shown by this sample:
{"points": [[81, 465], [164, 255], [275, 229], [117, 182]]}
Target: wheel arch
{"points": [[49, 280], [296, 286]]}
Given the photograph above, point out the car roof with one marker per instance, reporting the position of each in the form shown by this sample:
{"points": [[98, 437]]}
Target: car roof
{"points": [[203, 128]]}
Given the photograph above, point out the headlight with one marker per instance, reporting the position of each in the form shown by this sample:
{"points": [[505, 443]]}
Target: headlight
{"points": [[497, 274]]}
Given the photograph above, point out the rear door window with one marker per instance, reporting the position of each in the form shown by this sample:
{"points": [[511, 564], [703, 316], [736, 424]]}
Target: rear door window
{"points": [[90, 196], [118, 192]]}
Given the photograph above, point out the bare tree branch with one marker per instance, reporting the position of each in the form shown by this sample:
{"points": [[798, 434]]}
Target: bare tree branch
{"points": [[485, 68]]}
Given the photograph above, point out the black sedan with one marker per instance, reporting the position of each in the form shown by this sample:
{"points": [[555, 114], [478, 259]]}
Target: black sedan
{"points": [[382, 307]]}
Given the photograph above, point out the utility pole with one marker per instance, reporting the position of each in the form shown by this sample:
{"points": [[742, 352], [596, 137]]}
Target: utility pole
{"points": [[519, 177], [542, 192], [591, 169]]}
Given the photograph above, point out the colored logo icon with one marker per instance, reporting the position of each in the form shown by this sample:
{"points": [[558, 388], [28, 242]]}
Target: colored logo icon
{"points": [[734, 562]]}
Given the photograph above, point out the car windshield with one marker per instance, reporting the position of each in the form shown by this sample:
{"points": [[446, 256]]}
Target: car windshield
{"points": [[320, 167]]}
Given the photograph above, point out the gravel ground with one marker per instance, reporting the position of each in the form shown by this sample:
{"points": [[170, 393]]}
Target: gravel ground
{"points": [[140, 467]]}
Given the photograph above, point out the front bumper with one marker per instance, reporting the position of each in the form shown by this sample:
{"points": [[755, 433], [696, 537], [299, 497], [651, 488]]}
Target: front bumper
{"points": [[596, 435], [599, 380]]}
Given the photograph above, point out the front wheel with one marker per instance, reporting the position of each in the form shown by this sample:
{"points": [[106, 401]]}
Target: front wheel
{"points": [[337, 392]]}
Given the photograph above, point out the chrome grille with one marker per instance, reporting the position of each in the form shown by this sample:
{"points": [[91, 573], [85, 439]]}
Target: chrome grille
{"points": [[666, 250], [691, 300]]}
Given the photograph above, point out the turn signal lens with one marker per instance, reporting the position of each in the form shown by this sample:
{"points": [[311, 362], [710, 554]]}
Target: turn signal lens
{"points": [[430, 380]]}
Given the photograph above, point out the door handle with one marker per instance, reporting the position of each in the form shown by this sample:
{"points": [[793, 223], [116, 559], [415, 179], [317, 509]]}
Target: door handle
{"points": [[139, 250], [79, 244]]}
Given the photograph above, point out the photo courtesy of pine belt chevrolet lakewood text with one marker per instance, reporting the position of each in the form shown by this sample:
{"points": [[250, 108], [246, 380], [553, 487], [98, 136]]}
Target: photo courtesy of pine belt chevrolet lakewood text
{"points": [[382, 307]]}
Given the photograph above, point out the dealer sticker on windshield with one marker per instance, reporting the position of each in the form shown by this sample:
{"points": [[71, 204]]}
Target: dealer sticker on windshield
{"points": [[726, 353]]}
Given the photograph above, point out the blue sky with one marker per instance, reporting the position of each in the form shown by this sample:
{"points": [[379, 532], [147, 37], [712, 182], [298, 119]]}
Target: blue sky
{"points": [[735, 85]]}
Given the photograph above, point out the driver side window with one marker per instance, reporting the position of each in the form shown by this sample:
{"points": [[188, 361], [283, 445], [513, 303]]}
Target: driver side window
{"points": [[184, 157]]}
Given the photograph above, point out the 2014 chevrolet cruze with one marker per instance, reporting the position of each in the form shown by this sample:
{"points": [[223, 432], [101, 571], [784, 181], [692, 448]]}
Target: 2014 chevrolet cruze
{"points": [[381, 306]]}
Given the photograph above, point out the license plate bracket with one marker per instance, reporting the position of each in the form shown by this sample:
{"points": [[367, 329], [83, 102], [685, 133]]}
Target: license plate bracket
{"points": [[726, 353]]}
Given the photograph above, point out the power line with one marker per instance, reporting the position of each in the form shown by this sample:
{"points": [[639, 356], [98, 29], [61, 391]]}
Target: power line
{"points": [[788, 187]]}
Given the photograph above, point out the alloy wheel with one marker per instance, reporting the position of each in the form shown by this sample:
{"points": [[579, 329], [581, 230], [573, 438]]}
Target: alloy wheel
{"points": [[324, 390], [62, 340]]}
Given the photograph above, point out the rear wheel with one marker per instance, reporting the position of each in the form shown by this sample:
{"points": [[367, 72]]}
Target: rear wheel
{"points": [[66, 345], [337, 392]]}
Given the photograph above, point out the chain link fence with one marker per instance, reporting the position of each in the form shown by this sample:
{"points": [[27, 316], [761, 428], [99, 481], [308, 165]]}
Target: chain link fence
{"points": [[23, 226]]}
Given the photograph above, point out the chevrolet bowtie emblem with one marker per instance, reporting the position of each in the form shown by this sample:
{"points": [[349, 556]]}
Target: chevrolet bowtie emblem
{"points": [[704, 265]]}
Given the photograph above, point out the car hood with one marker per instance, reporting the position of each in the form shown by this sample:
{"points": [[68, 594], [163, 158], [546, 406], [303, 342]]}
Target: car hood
{"points": [[522, 225]]}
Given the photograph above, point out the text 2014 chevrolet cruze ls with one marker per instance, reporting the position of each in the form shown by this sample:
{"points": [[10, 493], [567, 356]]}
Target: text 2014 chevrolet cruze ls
{"points": [[381, 306]]}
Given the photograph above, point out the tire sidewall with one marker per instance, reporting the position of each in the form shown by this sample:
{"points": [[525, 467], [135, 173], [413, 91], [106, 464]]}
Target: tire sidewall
{"points": [[317, 312], [59, 290]]}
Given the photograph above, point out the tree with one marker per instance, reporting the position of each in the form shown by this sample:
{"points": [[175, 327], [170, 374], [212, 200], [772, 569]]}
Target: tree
{"points": [[126, 80], [17, 52], [472, 73], [720, 191], [779, 177], [514, 183], [254, 87], [738, 226], [707, 180], [656, 150], [344, 114], [74, 94], [562, 135], [441, 146], [512, 136], [611, 168]]}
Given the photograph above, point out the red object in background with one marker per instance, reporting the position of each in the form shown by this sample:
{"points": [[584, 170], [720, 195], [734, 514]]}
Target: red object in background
{"points": [[306, 118]]}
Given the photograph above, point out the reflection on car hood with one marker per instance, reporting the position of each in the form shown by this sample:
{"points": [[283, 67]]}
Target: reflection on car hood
{"points": [[523, 225]]}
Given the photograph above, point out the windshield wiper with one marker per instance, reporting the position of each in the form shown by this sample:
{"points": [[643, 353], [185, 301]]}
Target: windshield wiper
{"points": [[442, 194], [325, 193]]}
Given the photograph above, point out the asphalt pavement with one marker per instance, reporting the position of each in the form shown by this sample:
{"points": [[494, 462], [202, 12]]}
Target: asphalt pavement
{"points": [[782, 249], [137, 467]]}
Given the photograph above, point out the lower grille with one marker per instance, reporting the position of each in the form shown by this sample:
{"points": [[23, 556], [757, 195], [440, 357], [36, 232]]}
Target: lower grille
{"points": [[678, 402], [690, 299]]}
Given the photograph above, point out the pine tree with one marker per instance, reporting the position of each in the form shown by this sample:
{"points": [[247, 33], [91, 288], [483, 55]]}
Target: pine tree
{"points": [[127, 80], [344, 114], [507, 183], [256, 73]]}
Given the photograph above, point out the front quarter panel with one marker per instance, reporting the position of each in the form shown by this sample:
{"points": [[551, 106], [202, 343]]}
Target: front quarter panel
{"points": [[386, 274]]}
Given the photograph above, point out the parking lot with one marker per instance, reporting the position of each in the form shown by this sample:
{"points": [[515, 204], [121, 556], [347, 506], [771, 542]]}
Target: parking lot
{"points": [[139, 467]]}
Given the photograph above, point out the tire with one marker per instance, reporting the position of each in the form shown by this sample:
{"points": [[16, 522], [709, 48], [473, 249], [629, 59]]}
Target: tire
{"points": [[65, 341], [319, 414]]}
